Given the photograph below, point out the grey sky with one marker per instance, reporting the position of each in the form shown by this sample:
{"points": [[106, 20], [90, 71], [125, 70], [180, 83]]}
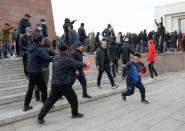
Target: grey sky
{"points": [[123, 15]]}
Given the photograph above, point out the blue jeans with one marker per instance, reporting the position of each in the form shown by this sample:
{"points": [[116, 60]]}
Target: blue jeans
{"points": [[6, 48]]}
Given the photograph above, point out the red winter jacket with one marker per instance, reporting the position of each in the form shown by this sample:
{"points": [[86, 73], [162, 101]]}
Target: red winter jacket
{"points": [[151, 51]]}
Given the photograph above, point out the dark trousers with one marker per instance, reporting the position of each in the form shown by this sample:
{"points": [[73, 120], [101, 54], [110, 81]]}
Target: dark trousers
{"points": [[152, 70], [45, 73], [114, 67], [25, 60], [35, 79], [131, 88], [83, 82], [17, 46], [107, 69], [56, 92]]}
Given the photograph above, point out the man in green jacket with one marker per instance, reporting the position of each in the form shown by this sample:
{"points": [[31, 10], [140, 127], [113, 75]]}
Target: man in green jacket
{"points": [[5, 39]]}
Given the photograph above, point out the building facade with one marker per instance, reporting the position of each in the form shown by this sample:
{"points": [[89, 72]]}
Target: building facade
{"points": [[173, 16], [12, 11]]}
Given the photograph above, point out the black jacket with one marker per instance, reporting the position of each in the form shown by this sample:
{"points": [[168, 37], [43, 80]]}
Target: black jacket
{"points": [[125, 51], [63, 67], [77, 55], [24, 43], [114, 51], [100, 57]]}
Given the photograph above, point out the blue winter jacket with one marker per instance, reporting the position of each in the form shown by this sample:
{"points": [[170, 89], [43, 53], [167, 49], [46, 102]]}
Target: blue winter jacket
{"points": [[37, 58], [132, 71]]}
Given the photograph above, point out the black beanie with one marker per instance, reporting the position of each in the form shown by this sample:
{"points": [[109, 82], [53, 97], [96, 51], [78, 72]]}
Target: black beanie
{"points": [[78, 44]]}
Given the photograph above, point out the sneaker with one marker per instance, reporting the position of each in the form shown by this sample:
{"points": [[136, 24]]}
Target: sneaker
{"points": [[115, 86], [99, 86], [145, 101], [77, 116], [123, 97], [87, 96], [40, 121], [27, 108], [158, 78], [151, 79]]}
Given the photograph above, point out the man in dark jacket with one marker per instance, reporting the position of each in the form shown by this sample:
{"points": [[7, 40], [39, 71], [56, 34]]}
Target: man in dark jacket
{"points": [[77, 54], [67, 24], [25, 42], [23, 24], [108, 32], [73, 38], [145, 41], [36, 57], [45, 69], [125, 51], [103, 64], [114, 51], [82, 34], [63, 67], [96, 42]]}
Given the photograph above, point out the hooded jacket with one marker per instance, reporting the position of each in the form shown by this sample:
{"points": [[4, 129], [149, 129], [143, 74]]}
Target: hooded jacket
{"points": [[37, 58], [151, 51]]}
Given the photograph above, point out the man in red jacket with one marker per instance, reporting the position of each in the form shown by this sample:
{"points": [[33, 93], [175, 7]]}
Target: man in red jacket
{"points": [[151, 56]]}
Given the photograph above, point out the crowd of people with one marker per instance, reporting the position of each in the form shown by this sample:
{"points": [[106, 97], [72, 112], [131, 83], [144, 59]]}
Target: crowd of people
{"points": [[37, 53]]}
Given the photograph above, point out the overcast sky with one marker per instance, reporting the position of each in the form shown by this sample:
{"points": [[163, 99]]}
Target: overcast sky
{"points": [[123, 15]]}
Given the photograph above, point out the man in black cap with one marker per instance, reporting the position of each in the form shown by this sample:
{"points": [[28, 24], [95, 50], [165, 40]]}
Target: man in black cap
{"points": [[63, 67], [23, 24], [25, 42], [77, 54]]}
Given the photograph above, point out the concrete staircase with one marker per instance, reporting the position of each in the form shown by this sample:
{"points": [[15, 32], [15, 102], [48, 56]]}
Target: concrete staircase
{"points": [[13, 86]]}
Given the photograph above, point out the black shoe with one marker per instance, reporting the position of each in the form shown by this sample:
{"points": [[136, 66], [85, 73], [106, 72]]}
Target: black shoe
{"points": [[40, 121], [99, 86], [145, 101], [6, 57], [77, 116], [123, 97], [37, 99], [115, 86], [27, 108], [87, 96]]}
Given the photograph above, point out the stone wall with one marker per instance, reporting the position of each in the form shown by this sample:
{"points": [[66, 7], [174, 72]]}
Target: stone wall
{"points": [[168, 62], [13, 10]]}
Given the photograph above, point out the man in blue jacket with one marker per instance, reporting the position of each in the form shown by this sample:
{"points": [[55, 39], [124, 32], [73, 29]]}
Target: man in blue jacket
{"points": [[23, 24], [133, 78], [37, 57], [63, 67]]}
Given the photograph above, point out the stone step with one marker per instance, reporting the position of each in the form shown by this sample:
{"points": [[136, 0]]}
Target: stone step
{"points": [[23, 88], [17, 76], [12, 77], [11, 71], [19, 96], [20, 82], [13, 112]]}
